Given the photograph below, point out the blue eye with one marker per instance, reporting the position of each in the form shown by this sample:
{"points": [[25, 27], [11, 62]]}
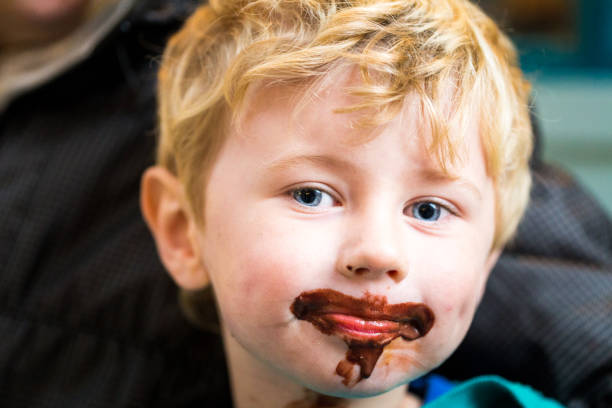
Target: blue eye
{"points": [[312, 197], [426, 211]]}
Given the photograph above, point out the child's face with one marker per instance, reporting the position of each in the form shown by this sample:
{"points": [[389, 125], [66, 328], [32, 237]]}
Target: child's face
{"points": [[300, 204]]}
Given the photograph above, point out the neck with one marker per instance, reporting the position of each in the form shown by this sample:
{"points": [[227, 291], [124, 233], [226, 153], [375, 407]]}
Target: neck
{"points": [[256, 385]]}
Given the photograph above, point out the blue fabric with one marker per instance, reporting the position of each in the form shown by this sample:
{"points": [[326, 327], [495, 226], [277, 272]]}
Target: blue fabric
{"points": [[432, 386], [482, 392]]}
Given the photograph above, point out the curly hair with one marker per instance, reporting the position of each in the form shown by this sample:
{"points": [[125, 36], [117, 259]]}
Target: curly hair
{"points": [[229, 47]]}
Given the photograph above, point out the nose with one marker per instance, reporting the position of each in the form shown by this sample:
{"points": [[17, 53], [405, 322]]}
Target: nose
{"points": [[372, 249]]}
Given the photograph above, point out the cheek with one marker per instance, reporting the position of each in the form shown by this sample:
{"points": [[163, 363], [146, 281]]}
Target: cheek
{"points": [[454, 287], [258, 265]]}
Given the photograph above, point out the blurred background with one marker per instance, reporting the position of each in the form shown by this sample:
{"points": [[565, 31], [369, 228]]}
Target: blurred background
{"points": [[565, 48]]}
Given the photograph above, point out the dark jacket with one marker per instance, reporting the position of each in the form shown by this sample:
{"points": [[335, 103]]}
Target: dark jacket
{"points": [[88, 317]]}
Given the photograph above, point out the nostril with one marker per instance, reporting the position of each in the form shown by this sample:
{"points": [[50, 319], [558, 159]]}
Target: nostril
{"points": [[361, 271], [349, 267], [394, 274]]}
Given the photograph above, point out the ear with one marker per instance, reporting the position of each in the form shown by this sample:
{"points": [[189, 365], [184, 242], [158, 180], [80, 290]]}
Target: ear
{"points": [[168, 216]]}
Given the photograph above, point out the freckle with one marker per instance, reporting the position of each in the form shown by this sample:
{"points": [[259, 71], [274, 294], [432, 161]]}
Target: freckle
{"points": [[393, 274]]}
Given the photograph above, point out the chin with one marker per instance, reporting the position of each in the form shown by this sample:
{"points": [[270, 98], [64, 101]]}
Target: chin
{"points": [[385, 377], [367, 387]]}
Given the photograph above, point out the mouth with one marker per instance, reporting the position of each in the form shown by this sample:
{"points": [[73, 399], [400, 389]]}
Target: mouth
{"points": [[360, 330], [366, 325], [369, 320]]}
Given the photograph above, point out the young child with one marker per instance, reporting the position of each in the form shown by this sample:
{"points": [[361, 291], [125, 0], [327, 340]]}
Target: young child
{"points": [[344, 174]]}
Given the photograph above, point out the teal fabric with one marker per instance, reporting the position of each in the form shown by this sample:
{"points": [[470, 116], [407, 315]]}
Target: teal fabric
{"points": [[492, 392]]}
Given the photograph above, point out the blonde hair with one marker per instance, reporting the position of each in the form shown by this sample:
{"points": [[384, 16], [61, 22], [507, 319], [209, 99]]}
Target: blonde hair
{"points": [[400, 47]]}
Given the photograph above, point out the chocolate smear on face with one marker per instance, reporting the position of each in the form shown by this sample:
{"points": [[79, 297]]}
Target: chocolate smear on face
{"points": [[366, 325]]}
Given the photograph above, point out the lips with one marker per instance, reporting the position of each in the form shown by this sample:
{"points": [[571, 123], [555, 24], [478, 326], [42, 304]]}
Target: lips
{"points": [[366, 325], [356, 324], [361, 330], [369, 320]]}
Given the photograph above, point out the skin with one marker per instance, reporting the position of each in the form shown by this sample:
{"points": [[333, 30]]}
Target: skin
{"points": [[30, 23], [261, 247]]}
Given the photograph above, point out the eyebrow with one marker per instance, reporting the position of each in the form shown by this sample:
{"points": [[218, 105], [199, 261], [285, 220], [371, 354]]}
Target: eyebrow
{"points": [[314, 159], [439, 176], [430, 174]]}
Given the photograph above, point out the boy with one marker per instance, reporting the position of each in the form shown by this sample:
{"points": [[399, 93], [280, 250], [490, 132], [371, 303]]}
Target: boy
{"points": [[345, 175]]}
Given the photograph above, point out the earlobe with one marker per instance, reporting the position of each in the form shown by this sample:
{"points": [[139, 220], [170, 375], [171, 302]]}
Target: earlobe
{"points": [[166, 213]]}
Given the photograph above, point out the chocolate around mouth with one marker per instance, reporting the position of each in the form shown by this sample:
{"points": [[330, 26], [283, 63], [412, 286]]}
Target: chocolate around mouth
{"points": [[377, 323]]}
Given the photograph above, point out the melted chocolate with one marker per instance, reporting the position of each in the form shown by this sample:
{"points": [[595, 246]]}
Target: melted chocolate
{"points": [[408, 320]]}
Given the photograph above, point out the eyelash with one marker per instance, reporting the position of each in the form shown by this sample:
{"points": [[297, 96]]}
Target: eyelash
{"points": [[294, 192], [408, 210], [441, 208]]}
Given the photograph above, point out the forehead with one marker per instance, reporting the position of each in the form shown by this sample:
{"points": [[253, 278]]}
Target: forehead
{"points": [[308, 113], [286, 138]]}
